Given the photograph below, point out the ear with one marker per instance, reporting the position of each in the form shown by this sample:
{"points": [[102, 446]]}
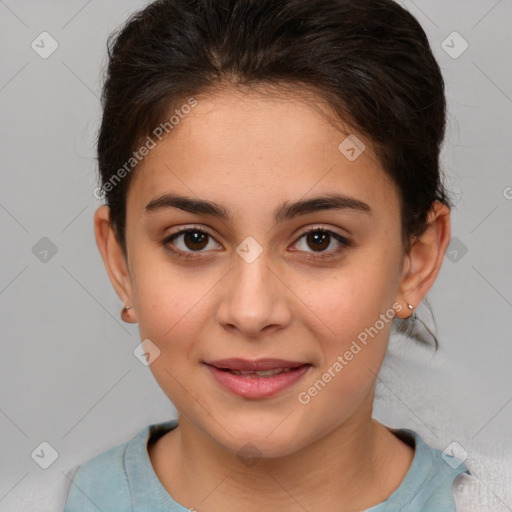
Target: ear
{"points": [[113, 256], [423, 263]]}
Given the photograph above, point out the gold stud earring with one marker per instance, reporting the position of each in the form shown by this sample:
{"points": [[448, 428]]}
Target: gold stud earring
{"points": [[123, 312]]}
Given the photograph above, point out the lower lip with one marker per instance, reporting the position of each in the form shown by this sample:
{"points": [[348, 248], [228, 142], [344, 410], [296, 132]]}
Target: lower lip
{"points": [[254, 386]]}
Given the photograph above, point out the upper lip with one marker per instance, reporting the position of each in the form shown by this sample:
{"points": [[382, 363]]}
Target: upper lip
{"points": [[254, 365]]}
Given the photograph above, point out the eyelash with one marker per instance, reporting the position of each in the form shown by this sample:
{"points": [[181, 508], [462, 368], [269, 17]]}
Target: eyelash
{"points": [[192, 255]]}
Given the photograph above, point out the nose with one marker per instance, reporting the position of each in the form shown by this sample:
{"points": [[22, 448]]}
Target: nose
{"points": [[254, 300]]}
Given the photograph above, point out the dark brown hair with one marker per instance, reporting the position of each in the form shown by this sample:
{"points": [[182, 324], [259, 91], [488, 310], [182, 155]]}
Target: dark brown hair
{"points": [[369, 59]]}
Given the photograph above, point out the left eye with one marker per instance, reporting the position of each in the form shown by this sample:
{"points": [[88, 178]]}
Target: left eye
{"points": [[320, 239]]}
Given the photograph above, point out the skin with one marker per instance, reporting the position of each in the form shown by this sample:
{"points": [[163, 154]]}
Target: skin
{"points": [[281, 305]]}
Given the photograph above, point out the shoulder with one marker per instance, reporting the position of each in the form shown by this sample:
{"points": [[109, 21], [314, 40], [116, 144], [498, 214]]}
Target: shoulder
{"points": [[436, 476], [101, 484], [430, 483], [121, 479]]}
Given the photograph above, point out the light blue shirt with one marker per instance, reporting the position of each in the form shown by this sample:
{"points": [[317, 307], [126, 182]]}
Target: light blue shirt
{"points": [[122, 479]]}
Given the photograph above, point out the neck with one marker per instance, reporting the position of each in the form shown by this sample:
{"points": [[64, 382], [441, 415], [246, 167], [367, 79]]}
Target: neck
{"points": [[355, 466]]}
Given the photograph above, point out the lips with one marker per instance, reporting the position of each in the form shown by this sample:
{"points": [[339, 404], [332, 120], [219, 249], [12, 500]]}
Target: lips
{"points": [[257, 379], [246, 366]]}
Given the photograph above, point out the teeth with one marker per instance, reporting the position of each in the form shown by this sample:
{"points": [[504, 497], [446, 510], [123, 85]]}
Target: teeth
{"points": [[262, 373]]}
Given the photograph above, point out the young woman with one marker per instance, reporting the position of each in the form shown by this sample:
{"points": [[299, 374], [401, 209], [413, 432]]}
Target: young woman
{"points": [[274, 204]]}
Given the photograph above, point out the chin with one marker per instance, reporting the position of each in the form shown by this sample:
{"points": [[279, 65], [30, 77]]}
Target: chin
{"points": [[248, 445]]}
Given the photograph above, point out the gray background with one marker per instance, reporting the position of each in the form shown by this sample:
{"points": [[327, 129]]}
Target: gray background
{"points": [[68, 375]]}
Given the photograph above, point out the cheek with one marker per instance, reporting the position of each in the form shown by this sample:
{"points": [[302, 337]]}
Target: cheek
{"points": [[350, 363], [352, 320], [172, 312], [170, 298], [345, 301]]}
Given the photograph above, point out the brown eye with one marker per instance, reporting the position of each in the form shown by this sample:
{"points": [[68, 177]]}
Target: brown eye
{"points": [[195, 240], [319, 240], [186, 242]]}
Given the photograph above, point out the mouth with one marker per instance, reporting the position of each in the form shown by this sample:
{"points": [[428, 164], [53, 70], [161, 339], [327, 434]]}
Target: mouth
{"points": [[259, 373], [257, 379], [258, 365]]}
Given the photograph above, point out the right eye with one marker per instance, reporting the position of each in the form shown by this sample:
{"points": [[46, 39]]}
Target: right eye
{"points": [[193, 240]]}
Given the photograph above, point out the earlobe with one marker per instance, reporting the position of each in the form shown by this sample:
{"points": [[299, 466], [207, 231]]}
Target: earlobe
{"points": [[112, 254], [425, 257]]}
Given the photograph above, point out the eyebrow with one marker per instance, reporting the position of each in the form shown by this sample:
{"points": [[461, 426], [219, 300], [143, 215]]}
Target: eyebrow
{"points": [[283, 212]]}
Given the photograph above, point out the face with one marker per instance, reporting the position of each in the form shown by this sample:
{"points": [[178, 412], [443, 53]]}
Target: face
{"points": [[306, 287]]}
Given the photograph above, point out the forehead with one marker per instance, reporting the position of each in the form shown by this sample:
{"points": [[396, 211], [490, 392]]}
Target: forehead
{"points": [[243, 148]]}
